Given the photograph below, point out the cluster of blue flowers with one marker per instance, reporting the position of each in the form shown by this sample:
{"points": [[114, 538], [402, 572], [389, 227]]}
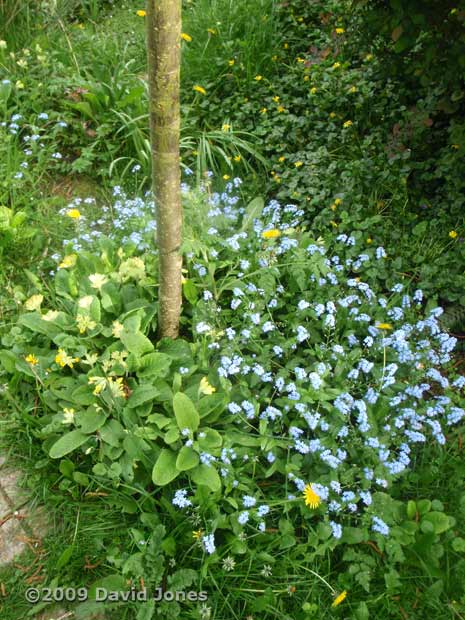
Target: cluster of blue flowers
{"points": [[339, 382]]}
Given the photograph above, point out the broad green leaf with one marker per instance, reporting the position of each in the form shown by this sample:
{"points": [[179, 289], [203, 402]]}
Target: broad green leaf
{"points": [[187, 459], [208, 476], [34, 322], [185, 412], [66, 444], [90, 420], [154, 364], [136, 342], [165, 470], [142, 394]]}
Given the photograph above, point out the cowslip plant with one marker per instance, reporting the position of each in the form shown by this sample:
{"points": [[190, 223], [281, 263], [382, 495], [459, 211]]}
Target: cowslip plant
{"points": [[297, 397]]}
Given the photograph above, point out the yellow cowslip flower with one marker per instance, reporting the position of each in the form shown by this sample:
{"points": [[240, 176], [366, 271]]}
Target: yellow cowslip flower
{"points": [[383, 326], [74, 214], [84, 323], [298, 164], [281, 159], [340, 30], [257, 78], [226, 127], [205, 387], [299, 59], [369, 57], [186, 37], [231, 62], [141, 13], [338, 201], [68, 261], [263, 110], [311, 498], [116, 387], [313, 90], [334, 224], [306, 78], [19, 85], [34, 302], [455, 146], [97, 280], [273, 233], [197, 534], [211, 31], [281, 108], [347, 124], [63, 359], [276, 98], [339, 598], [117, 329], [333, 207], [31, 359], [332, 115], [353, 89], [336, 65], [369, 240], [286, 46], [226, 177], [274, 58], [453, 234], [199, 89], [237, 158]]}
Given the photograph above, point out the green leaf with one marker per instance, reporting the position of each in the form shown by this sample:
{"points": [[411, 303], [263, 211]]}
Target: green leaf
{"points": [[253, 210], [136, 343], [154, 364], [34, 322], [66, 444], [438, 520], [207, 476], [187, 459], [65, 557], [91, 420], [164, 470], [185, 412], [142, 394], [112, 433]]}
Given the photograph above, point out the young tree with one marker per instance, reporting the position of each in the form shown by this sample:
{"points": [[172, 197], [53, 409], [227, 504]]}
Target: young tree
{"points": [[164, 67]]}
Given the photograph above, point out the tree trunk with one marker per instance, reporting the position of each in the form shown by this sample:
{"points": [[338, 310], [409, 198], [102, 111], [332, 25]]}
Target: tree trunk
{"points": [[164, 67]]}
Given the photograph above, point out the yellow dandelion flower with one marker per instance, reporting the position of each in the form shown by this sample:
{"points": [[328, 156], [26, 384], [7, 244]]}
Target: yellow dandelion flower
{"points": [[453, 234], [340, 30], [186, 37], [141, 13], [273, 233], [386, 326], [74, 214], [338, 600], [311, 498], [205, 387], [31, 359], [257, 78]]}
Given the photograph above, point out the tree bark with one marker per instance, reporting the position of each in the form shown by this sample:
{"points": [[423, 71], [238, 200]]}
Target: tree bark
{"points": [[164, 68]]}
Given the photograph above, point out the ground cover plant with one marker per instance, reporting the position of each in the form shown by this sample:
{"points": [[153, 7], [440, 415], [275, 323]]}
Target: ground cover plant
{"points": [[297, 452]]}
